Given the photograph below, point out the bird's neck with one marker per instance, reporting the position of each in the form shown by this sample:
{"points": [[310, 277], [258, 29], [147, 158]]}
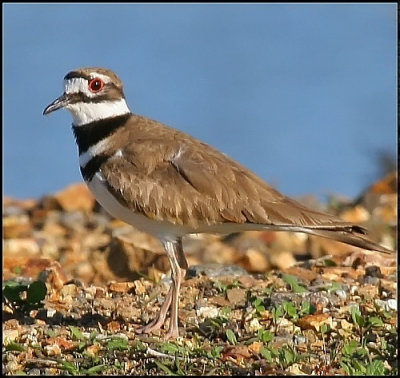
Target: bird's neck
{"points": [[84, 113], [90, 134]]}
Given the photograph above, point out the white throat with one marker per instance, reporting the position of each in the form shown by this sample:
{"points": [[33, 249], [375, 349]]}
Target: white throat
{"points": [[86, 112]]}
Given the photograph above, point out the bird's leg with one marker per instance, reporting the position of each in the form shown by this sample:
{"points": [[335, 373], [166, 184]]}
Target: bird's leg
{"points": [[160, 318], [178, 270]]}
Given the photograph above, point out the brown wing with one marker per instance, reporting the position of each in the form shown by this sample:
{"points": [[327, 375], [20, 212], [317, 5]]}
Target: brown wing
{"points": [[168, 175]]}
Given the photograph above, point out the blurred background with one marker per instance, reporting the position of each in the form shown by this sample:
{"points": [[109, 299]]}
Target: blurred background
{"points": [[302, 94]]}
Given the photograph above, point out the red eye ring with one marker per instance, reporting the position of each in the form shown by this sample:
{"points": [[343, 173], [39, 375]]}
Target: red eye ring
{"points": [[96, 85]]}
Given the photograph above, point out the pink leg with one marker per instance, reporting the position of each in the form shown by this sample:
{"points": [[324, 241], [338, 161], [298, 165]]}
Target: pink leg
{"points": [[173, 331], [159, 320], [178, 270]]}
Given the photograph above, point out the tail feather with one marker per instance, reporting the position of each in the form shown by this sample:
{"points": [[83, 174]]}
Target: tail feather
{"points": [[357, 240]]}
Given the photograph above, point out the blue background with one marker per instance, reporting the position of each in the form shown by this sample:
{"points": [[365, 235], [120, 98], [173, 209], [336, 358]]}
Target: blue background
{"points": [[302, 94]]}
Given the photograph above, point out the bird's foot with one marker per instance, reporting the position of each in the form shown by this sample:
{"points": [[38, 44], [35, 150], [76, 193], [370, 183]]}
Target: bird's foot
{"points": [[155, 325], [172, 333]]}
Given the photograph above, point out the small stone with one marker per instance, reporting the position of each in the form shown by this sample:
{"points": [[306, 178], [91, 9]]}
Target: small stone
{"points": [[16, 227], [216, 270], [121, 287], [346, 325], [70, 290], [255, 347], [139, 287], [368, 291], [299, 339], [253, 326], [21, 247], [51, 312], [282, 260], [84, 271], [368, 280], [295, 369], [357, 214], [341, 294], [255, 261], [384, 305], [373, 271], [236, 296], [114, 326], [207, 312], [219, 301], [105, 303], [10, 335], [314, 321], [52, 350], [392, 303], [93, 350]]}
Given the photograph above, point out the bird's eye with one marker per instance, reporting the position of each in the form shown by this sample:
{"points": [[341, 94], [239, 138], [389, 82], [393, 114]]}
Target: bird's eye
{"points": [[96, 85]]}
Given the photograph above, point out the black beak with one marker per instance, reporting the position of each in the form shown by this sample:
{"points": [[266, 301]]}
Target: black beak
{"points": [[59, 103]]}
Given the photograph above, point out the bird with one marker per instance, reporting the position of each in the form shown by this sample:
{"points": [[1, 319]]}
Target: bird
{"points": [[169, 184]]}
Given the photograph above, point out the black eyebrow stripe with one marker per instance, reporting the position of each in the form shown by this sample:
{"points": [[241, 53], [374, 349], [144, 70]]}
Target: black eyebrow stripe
{"points": [[76, 75]]}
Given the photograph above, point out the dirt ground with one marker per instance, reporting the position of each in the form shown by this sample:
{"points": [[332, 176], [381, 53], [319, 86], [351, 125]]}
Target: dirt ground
{"points": [[77, 284]]}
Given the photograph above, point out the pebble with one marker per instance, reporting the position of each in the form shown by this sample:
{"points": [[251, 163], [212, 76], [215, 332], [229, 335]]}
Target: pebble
{"points": [[373, 271], [10, 335], [33, 371], [51, 312], [207, 312], [216, 270], [236, 296], [392, 303], [299, 339], [341, 294], [254, 325]]}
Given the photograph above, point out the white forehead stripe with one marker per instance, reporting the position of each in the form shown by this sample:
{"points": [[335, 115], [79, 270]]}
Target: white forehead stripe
{"points": [[76, 85]]}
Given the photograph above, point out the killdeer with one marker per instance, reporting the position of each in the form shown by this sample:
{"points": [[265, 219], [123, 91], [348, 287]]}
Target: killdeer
{"points": [[169, 184]]}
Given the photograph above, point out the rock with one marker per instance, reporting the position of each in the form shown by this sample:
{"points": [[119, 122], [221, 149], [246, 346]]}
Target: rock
{"points": [[392, 304], [121, 287], [207, 312], [114, 326], [75, 197], [368, 291], [357, 214], [314, 321], [282, 259], [10, 335], [93, 350], [253, 326], [21, 247], [254, 261], [218, 301], [236, 296], [304, 274], [17, 227], [255, 347], [52, 350], [70, 290], [216, 270]]}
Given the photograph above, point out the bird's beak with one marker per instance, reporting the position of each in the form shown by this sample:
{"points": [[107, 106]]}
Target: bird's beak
{"points": [[59, 103]]}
